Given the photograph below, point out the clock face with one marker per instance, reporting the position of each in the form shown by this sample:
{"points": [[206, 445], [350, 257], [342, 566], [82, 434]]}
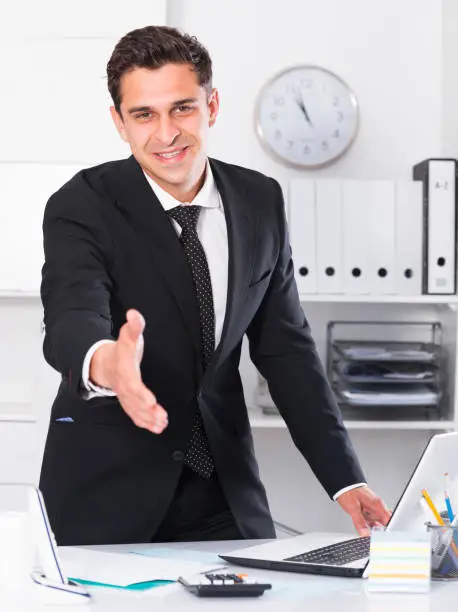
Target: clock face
{"points": [[306, 116]]}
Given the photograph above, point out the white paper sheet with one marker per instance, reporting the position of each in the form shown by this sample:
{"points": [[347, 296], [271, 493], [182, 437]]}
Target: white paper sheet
{"points": [[122, 569]]}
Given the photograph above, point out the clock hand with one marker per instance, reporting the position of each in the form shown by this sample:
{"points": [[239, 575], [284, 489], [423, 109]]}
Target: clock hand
{"points": [[300, 103], [306, 114]]}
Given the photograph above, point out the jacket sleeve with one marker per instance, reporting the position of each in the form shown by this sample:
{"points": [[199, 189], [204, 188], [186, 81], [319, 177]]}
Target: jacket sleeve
{"points": [[282, 348], [76, 284]]}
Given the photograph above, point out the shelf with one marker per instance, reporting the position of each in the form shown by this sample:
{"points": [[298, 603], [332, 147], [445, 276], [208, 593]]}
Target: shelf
{"points": [[410, 425], [313, 297], [259, 420], [17, 418], [15, 294], [377, 299]]}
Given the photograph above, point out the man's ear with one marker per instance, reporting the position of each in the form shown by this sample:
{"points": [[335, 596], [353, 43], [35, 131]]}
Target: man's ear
{"points": [[213, 107], [119, 123]]}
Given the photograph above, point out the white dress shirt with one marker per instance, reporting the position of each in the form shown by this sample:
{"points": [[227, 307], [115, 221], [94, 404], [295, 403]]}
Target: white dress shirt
{"points": [[212, 232]]}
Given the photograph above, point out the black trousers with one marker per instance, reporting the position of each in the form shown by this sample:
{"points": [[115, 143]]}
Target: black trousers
{"points": [[199, 511]]}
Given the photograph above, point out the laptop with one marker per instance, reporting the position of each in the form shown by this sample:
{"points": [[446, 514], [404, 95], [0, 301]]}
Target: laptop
{"points": [[57, 588], [337, 554]]}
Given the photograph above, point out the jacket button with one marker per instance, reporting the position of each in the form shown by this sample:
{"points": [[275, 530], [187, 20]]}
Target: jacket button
{"points": [[178, 455]]}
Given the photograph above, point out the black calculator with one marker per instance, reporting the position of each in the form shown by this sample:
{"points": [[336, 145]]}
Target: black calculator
{"points": [[224, 585]]}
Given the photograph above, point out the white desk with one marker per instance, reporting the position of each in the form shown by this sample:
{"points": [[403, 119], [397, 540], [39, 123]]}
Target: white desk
{"points": [[290, 592]]}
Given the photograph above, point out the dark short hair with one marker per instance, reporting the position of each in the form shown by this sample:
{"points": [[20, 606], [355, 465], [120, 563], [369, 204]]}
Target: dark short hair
{"points": [[153, 47]]}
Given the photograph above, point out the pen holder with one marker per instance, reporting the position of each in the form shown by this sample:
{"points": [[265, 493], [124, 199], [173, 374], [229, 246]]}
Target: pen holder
{"points": [[444, 551]]}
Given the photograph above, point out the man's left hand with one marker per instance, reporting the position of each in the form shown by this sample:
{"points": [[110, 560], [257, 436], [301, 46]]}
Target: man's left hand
{"points": [[366, 509]]}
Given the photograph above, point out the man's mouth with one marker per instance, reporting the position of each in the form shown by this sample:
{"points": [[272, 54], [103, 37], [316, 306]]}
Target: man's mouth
{"points": [[175, 154]]}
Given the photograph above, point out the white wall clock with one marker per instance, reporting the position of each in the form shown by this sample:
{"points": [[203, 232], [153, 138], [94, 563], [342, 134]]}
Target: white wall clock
{"points": [[306, 116]]}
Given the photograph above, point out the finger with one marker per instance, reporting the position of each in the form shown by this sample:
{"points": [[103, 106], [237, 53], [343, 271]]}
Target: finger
{"points": [[360, 523], [147, 420], [159, 418], [160, 413], [376, 525], [362, 528], [135, 325], [379, 512], [152, 424], [148, 413]]}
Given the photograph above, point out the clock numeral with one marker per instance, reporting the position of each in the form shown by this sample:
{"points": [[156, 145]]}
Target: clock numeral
{"points": [[307, 150], [306, 83], [290, 143], [274, 116], [340, 116], [279, 100], [335, 101], [324, 145], [278, 134], [336, 134]]}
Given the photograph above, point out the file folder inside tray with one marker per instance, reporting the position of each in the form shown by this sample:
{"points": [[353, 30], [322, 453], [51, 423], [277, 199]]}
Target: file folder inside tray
{"points": [[366, 351], [386, 372], [373, 394]]}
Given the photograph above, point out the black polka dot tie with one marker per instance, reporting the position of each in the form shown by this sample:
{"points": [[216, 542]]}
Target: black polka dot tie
{"points": [[198, 456]]}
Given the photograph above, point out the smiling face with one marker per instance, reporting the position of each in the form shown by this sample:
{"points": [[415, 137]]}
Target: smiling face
{"points": [[165, 116]]}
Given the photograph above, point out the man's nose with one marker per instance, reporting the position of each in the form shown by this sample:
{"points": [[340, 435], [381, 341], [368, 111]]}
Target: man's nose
{"points": [[167, 131]]}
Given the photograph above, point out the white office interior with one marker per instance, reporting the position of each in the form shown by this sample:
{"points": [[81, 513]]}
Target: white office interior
{"points": [[399, 59]]}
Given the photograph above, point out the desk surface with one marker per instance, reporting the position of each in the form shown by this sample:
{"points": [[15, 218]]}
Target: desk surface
{"points": [[290, 592]]}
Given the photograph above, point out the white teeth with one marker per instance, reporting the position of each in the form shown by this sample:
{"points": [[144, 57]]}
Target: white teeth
{"points": [[169, 155]]}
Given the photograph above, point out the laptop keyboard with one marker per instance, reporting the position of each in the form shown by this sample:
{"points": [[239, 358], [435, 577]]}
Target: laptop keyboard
{"points": [[340, 553]]}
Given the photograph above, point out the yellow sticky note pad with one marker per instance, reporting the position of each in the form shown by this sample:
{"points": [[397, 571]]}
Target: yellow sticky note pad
{"points": [[400, 561]]}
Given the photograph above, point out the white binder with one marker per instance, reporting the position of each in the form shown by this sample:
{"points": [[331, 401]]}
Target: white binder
{"points": [[381, 235], [409, 238], [355, 208], [302, 226], [329, 248], [439, 201]]}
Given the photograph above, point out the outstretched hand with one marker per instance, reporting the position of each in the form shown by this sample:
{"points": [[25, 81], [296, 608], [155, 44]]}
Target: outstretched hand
{"points": [[117, 366]]}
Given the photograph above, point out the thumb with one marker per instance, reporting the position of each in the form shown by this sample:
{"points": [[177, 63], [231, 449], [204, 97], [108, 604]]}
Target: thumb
{"points": [[134, 327]]}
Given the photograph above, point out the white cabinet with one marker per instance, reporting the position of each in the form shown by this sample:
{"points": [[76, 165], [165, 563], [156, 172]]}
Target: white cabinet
{"points": [[321, 309]]}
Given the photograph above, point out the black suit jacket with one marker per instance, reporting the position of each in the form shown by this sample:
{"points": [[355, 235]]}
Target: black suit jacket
{"points": [[109, 246]]}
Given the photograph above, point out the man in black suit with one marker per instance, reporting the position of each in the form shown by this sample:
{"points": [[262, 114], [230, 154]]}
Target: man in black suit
{"points": [[149, 438]]}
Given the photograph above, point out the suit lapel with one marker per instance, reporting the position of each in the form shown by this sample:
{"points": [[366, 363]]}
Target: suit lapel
{"points": [[241, 234], [143, 211]]}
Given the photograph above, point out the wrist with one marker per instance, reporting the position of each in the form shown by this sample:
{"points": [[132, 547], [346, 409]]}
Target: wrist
{"points": [[357, 485], [101, 366]]}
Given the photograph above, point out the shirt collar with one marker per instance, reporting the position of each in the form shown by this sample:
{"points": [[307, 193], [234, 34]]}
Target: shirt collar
{"points": [[206, 197]]}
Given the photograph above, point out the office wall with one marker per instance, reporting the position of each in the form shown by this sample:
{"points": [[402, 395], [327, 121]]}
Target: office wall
{"points": [[392, 55], [380, 48], [54, 112], [389, 52]]}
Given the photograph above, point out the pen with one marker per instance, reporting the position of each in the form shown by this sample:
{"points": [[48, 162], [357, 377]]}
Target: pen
{"points": [[448, 504], [438, 517]]}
